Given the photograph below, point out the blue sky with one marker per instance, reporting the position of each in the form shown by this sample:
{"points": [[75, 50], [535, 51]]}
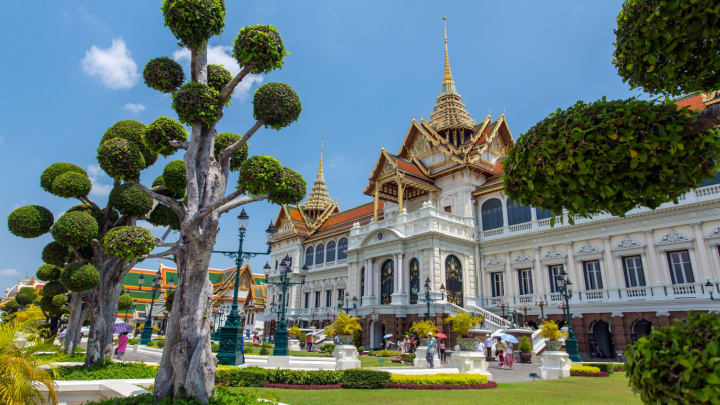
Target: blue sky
{"points": [[363, 70]]}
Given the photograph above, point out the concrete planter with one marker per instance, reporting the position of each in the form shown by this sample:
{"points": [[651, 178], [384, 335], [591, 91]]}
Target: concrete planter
{"points": [[555, 365], [553, 345], [525, 357], [346, 356], [345, 339], [471, 362]]}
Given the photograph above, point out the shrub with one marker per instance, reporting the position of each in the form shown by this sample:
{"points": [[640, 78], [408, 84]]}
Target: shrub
{"points": [[584, 369], [133, 132], [56, 254], [606, 367], [109, 370], [163, 74], [218, 77], [175, 194], [193, 22], [678, 363], [260, 47], [48, 272], [439, 379], [385, 353], [48, 176], [125, 302], [226, 139], [363, 378], [295, 331], [163, 130], [130, 200], [525, 346], [174, 176], [120, 159], [53, 288], [289, 188], [80, 277], [215, 347], [267, 345], [422, 328], [30, 221], [128, 242], [361, 349], [258, 174], [59, 300], [408, 358], [241, 377], [71, 185], [196, 103], [133, 341], [75, 229], [328, 347], [463, 322], [264, 351], [304, 377], [344, 324], [222, 396], [276, 105], [551, 331]]}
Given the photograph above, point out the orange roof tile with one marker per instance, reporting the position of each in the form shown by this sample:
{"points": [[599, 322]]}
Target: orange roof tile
{"points": [[349, 215], [695, 102]]}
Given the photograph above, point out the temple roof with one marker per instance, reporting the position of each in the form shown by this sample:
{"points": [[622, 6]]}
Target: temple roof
{"points": [[319, 198]]}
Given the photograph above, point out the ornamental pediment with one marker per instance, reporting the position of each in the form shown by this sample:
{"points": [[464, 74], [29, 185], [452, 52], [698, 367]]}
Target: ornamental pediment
{"points": [[521, 259], [628, 243], [588, 249], [673, 237], [553, 253], [495, 261], [714, 234]]}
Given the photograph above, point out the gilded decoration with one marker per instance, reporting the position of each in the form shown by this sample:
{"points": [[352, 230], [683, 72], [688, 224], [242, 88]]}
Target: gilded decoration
{"points": [[453, 280], [414, 280], [386, 282]]}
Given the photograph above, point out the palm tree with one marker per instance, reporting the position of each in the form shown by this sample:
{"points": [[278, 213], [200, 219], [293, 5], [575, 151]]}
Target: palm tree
{"points": [[22, 371]]}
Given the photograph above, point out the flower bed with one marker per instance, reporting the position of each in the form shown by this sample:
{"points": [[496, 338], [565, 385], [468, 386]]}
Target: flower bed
{"points": [[490, 384], [587, 371], [598, 374], [443, 379]]}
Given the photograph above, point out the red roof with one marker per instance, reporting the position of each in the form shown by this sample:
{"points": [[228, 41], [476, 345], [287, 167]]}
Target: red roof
{"points": [[498, 168], [695, 102], [351, 214]]}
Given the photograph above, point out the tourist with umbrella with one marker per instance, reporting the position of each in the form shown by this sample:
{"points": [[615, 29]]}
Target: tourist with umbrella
{"points": [[122, 345], [441, 346]]}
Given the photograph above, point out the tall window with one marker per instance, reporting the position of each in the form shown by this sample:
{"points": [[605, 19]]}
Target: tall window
{"points": [[387, 278], [341, 296], [680, 268], [554, 272], [414, 280], [320, 254], [492, 215], [633, 269], [542, 213], [317, 299], [453, 280], [330, 254], [309, 256], [496, 284], [307, 300], [525, 279], [593, 279], [341, 248], [517, 213], [328, 298], [362, 283]]}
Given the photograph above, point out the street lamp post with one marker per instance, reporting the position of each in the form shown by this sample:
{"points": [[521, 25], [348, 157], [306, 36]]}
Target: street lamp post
{"points": [[541, 304], [281, 335], [710, 286], [347, 308], [564, 286], [428, 299], [503, 305], [231, 337], [147, 330]]}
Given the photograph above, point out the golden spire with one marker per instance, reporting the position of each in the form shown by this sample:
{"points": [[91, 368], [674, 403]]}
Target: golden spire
{"points": [[449, 111], [319, 198]]}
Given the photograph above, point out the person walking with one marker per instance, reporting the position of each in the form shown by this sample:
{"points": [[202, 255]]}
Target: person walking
{"points": [[500, 353], [431, 348], [121, 345], [509, 359], [442, 350], [308, 343], [488, 347]]}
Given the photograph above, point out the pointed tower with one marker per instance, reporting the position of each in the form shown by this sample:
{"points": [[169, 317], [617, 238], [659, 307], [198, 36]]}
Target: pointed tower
{"points": [[319, 199], [449, 117]]}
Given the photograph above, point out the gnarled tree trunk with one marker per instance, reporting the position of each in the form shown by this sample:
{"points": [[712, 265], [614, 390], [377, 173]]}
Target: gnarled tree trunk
{"points": [[78, 313]]}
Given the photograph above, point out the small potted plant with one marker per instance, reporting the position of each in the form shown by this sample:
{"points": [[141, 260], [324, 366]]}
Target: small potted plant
{"points": [[525, 350], [422, 328], [552, 333], [344, 326], [462, 324]]}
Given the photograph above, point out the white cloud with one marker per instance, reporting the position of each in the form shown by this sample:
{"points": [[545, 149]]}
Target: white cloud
{"points": [[134, 107], [114, 66], [97, 175], [221, 55], [10, 273]]}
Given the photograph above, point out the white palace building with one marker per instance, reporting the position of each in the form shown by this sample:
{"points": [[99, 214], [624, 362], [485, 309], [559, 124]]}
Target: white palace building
{"points": [[438, 212]]}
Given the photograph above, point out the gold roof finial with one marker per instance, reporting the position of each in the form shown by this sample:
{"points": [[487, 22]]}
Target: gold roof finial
{"points": [[447, 77], [319, 198]]}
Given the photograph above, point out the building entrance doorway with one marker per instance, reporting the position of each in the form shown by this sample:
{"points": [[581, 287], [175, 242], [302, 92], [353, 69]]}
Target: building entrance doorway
{"points": [[601, 341], [640, 328], [376, 336]]}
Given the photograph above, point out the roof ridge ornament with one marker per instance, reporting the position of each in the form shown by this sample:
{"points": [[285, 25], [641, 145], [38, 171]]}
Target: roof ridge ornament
{"points": [[319, 198]]}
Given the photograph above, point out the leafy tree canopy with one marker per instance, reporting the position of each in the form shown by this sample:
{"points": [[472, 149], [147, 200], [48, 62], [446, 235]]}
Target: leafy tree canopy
{"points": [[30, 221], [128, 242], [163, 74]]}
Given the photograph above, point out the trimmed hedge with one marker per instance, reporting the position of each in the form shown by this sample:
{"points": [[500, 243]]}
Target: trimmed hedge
{"points": [[257, 377], [108, 371], [30, 221], [584, 369], [241, 377], [606, 367], [439, 379], [360, 378], [75, 229]]}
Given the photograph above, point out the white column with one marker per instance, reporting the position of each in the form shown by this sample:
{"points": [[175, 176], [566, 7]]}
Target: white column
{"points": [[701, 258], [542, 274], [574, 268], [653, 274], [399, 295], [511, 278], [610, 264], [505, 215]]}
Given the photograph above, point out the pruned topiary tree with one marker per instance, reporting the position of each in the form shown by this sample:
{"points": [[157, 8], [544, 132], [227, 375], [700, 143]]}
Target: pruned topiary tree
{"points": [[612, 156]]}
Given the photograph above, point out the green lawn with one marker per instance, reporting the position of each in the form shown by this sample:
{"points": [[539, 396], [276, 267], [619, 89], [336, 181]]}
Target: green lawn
{"points": [[574, 390], [371, 361], [256, 351]]}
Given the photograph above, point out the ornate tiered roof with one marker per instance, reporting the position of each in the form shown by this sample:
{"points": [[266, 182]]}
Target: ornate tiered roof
{"points": [[319, 198]]}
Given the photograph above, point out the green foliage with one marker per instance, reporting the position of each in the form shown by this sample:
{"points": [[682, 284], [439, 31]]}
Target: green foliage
{"points": [[133, 132], [276, 105], [289, 189], [344, 324], [169, 301], [80, 277], [120, 159], [304, 377], [162, 215], [163, 74], [463, 322], [525, 346], [26, 296], [176, 194], [75, 229], [130, 200], [163, 130], [30, 221], [53, 288], [549, 330], [71, 185], [55, 254], [259, 174], [125, 302], [59, 300], [260, 47], [47, 305], [439, 379], [193, 22], [679, 363], [327, 348], [422, 328], [11, 306], [48, 176], [264, 351], [128, 242], [609, 156], [97, 214], [363, 378], [226, 139], [241, 377], [109, 371], [174, 176], [606, 367], [385, 353], [222, 396], [669, 46], [196, 103], [218, 77], [584, 369]]}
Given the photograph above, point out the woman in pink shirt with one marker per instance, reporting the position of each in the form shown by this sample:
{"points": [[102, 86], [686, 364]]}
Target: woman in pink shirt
{"points": [[122, 345]]}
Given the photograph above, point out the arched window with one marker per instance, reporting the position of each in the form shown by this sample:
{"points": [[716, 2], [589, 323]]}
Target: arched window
{"points": [[342, 247], [542, 213], [414, 280], [517, 213], [386, 282], [309, 256], [362, 284], [330, 253], [492, 215], [453, 280], [320, 254]]}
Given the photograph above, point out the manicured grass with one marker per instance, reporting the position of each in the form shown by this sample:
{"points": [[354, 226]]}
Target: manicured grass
{"points": [[574, 390], [371, 361]]}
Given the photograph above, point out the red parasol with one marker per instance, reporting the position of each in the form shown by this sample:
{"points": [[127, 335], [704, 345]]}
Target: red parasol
{"points": [[441, 335]]}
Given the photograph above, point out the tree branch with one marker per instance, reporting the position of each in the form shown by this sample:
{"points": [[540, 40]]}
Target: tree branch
{"points": [[179, 145], [164, 253], [230, 87], [203, 212], [241, 201], [230, 150], [173, 204], [706, 119], [91, 203]]}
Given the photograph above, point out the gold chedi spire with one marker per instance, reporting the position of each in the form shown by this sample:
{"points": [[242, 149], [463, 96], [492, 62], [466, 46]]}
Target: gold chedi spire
{"points": [[449, 111], [319, 198]]}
